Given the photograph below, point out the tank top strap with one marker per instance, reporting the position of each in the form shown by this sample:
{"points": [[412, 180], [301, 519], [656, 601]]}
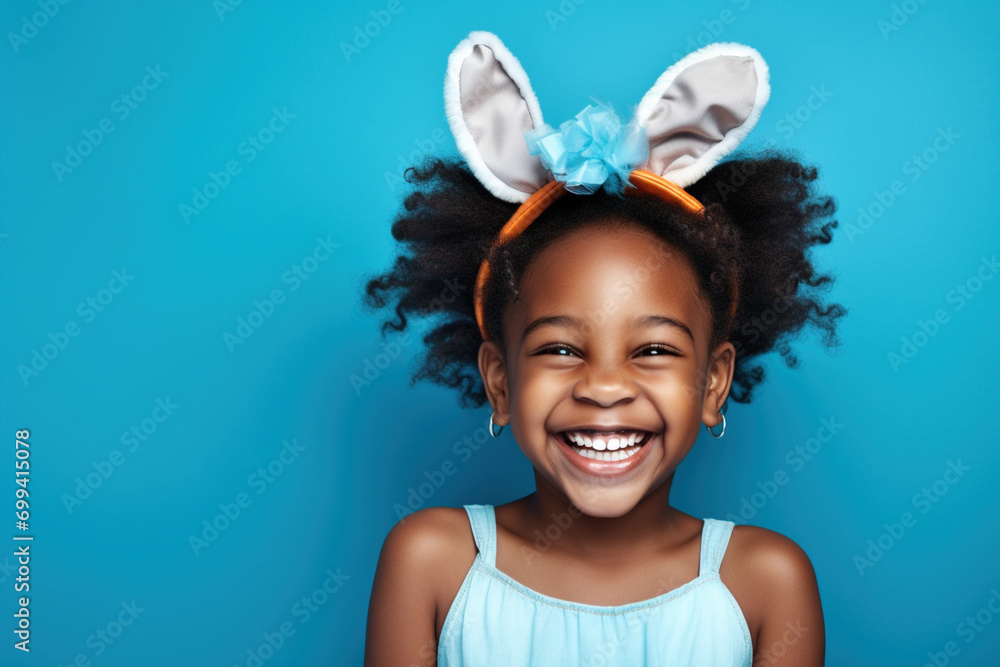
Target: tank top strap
{"points": [[484, 531], [714, 540]]}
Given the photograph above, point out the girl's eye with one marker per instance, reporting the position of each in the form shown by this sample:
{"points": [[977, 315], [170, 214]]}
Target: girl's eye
{"points": [[562, 350], [658, 351], [651, 351]]}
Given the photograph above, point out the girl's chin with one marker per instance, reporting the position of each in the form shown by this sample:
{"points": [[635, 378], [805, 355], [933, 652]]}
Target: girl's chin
{"points": [[599, 489], [606, 503]]}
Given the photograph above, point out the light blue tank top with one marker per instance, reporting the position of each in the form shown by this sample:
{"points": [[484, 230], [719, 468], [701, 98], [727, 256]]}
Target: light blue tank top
{"points": [[495, 620]]}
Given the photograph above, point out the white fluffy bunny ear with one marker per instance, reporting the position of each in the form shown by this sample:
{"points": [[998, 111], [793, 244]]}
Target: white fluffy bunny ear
{"points": [[701, 108], [490, 105]]}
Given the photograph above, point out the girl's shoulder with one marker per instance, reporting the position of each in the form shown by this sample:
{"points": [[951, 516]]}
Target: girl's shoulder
{"points": [[766, 551], [773, 581], [435, 547], [431, 536], [420, 557]]}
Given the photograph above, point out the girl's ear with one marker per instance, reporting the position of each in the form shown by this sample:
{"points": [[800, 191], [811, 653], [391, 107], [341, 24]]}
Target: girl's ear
{"points": [[490, 105], [721, 366], [494, 373], [701, 108]]}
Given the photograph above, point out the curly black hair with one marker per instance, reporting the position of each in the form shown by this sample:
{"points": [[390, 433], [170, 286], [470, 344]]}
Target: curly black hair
{"points": [[762, 215]]}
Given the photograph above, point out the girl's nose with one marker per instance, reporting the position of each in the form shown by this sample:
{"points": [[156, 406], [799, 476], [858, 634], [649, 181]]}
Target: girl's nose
{"points": [[604, 386]]}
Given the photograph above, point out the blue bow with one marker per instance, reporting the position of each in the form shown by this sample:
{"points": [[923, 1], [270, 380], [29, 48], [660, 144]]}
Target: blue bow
{"points": [[591, 150]]}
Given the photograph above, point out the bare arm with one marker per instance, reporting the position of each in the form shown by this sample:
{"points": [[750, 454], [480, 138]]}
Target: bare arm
{"points": [[792, 630], [401, 613]]}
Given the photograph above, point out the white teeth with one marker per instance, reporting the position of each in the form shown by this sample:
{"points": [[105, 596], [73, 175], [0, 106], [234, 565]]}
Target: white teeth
{"points": [[605, 443], [607, 456], [605, 448], [602, 455]]}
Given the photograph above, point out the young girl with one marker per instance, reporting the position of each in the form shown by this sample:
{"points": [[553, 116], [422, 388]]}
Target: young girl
{"points": [[618, 283]]}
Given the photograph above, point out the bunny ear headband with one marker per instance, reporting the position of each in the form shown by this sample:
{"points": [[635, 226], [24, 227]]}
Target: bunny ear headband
{"points": [[697, 112]]}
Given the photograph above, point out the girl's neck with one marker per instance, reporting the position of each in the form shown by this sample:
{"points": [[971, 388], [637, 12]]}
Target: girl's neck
{"points": [[652, 525]]}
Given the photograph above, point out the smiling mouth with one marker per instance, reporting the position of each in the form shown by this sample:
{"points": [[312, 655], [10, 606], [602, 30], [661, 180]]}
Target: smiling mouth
{"points": [[605, 445]]}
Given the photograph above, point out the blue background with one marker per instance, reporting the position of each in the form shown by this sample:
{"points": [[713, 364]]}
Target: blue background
{"points": [[332, 172]]}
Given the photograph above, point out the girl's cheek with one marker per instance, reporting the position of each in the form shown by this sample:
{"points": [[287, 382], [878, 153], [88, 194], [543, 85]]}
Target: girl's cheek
{"points": [[677, 392], [542, 388]]}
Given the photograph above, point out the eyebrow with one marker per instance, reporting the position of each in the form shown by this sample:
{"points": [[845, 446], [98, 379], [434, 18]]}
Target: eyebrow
{"points": [[570, 321]]}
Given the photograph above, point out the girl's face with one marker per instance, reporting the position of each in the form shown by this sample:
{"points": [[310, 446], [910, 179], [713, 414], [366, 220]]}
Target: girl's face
{"points": [[608, 346]]}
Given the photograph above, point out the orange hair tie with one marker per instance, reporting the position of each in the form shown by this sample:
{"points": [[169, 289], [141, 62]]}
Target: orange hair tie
{"points": [[644, 181]]}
